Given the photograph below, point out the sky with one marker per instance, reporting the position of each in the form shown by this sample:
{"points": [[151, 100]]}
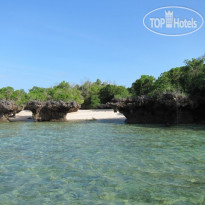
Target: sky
{"points": [[43, 42]]}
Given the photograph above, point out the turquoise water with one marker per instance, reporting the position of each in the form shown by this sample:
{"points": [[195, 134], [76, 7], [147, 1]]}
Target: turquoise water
{"points": [[105, 162]]}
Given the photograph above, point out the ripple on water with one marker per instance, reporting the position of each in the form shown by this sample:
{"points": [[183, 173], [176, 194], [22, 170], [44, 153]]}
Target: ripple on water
{"points": [[106, 162]]}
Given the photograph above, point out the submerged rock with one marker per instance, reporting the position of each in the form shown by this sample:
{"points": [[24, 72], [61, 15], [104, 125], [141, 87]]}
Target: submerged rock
{"points": [[8, 109], [166, 109], [51, 110]]}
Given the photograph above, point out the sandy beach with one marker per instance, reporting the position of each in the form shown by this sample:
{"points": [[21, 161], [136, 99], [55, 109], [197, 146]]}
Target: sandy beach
{"points": [[98, 114]]}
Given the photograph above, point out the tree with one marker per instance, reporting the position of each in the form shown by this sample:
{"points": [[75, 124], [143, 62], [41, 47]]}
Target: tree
{"points": [[19, 96], [38, 93], [63, 85], [63, 91], [188, 79], [98, 82], [6, 92], [90, 92], [94, 101], [109, 92], [143, 86]]}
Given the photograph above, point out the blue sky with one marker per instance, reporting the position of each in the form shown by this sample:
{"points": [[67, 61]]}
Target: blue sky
{"points": [[46, 41]]}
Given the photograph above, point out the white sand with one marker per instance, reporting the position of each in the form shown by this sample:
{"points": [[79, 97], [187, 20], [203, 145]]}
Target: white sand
{"points": [[101, 114], [94, 114], [24, 115]]}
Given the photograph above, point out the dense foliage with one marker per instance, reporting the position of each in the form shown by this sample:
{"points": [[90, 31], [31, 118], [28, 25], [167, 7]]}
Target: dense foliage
{"points": [[186, 80], [143, 86], [63, 92], [8, 93], [90, 95], [98, 93]]}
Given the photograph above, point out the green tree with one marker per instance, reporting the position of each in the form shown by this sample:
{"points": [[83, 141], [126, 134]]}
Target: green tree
{"points": [[90, 92], [6, 92], [19, 96], [94, 101], [38, 93], [65, 92], [109, 92], [143, 86]]}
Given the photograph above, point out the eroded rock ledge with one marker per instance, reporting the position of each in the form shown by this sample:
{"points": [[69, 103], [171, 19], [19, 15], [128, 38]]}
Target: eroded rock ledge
{"points": [[51, 110], [166, 109], [8, 109]]}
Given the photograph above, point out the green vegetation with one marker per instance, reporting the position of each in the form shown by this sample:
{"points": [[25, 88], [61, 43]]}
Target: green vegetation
{"points": [[90, 92], [63, 92], [109, 92], [90, 95], [143, 86], [8, 93], [185, 80]]}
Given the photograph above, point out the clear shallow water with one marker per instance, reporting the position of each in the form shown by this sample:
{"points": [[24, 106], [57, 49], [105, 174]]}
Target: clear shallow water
{"points": [[101, 163]]}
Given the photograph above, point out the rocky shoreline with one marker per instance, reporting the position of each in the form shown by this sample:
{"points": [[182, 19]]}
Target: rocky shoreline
{"points": [[41, 111], [7, 109], [166, 109], [51, 110]]}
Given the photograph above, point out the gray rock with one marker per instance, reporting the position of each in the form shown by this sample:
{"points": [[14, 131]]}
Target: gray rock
{"points": [[51, 110], [165, 109], [8, 109]]}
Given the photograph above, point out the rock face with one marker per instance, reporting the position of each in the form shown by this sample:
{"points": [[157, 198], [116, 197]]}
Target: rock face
{"points": [[104, 106], [51, 110], [167, 109], [7, 109]]}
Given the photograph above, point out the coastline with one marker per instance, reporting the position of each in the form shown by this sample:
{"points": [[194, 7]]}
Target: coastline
{"points": [[92, 114]]}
